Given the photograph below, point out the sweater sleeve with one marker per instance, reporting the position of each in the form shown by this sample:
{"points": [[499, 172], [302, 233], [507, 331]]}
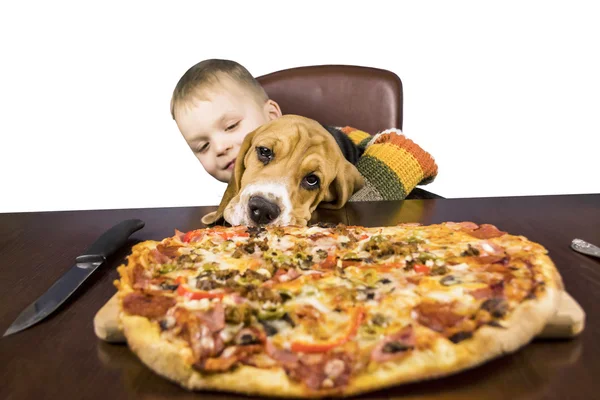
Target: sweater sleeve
{"points": [[391, 164]]}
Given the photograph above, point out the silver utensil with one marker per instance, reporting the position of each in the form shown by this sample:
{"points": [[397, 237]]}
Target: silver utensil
{"points": [[584, 247], [85, 264]]}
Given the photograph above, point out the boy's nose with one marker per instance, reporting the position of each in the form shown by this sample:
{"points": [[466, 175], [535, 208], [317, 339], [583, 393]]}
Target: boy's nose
{"points": [[262, 211], [222, 148]]}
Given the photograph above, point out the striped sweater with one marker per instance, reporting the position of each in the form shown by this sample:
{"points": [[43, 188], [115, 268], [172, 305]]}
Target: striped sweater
{"points": [[391, 164]]}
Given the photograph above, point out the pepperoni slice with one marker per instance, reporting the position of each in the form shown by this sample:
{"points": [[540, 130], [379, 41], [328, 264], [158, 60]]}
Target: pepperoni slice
{"points": [[147, 305], [437, 317], [486, 231], [483, 231], [462, 225]]}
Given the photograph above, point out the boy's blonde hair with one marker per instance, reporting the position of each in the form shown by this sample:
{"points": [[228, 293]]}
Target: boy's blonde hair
{"points": [[206, 74]]}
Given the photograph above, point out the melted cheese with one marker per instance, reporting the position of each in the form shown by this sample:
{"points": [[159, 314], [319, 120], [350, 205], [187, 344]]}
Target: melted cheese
{"points": [[312, 301], [312, 230], [284, 243], [282, 326], [229, 332], [487, 248], [446, 296], [202, 304], [459, 267]]}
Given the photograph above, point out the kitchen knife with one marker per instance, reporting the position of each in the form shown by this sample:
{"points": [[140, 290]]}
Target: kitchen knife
{"points": [[106, 245]]}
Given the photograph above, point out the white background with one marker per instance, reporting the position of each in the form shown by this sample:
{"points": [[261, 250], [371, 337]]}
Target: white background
{"points": [[505, 96]]}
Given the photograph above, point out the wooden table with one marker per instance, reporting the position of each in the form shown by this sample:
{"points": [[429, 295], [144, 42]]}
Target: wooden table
{"points": [[62, 358]]}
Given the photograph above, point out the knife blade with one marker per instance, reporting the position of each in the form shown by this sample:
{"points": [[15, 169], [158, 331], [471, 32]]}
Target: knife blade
{"points": [[583, 247], [85, 264]]}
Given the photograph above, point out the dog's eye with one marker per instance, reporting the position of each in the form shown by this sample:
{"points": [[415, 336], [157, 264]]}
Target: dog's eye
{"points": [[265, 155], [310, 182]]}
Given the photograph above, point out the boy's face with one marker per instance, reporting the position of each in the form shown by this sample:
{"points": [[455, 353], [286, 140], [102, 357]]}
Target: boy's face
{"points": [[215, 128]]}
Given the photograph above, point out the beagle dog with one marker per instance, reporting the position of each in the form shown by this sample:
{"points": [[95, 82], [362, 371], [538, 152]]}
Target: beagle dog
{"points": [[286, 169]]}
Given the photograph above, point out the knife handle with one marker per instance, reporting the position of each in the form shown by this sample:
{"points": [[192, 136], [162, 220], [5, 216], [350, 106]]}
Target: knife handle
{"points": [[110, 241]]}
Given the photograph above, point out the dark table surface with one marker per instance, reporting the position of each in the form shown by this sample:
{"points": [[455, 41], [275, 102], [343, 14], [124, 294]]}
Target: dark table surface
{"points": [[62, 358]]}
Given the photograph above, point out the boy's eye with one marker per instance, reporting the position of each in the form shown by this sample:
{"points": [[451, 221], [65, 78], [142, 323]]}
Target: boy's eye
{"points": [[232, 126], [203, 147]]}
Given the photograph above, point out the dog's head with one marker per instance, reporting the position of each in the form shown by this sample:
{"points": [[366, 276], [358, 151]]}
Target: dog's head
{"points": [[284, 170]]}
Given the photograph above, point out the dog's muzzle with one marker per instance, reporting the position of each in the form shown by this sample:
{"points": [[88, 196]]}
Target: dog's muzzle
{"points": [[262, 211], [265, 203]]}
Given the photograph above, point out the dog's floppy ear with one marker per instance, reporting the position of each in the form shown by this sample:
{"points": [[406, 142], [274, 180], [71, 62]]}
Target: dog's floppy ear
{"points": [[233, 187], [347, 182]]}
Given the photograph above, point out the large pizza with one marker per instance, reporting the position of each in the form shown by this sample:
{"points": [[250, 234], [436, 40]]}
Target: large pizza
{"points": [[331, 310]]}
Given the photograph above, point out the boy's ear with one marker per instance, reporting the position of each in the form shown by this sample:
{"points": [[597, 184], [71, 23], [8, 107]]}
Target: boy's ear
{"points": [[233, 187], [272, 109]]}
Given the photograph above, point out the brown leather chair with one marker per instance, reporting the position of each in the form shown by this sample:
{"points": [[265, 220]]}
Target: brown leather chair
{"points": [[369, 99]]}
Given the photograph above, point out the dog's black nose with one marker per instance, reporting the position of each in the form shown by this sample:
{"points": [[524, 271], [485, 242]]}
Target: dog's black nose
{"points": [[262, 211]]}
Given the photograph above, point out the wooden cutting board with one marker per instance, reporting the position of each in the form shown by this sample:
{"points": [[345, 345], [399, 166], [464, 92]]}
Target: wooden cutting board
{"points": [[568, 322]]}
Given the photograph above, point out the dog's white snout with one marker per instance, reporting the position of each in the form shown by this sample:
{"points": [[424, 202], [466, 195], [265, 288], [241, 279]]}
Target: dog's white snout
{"points": [[263, 203]]}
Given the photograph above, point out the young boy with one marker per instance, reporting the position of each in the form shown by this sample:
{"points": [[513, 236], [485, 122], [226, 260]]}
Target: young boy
{"points": [[215, 104]]}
